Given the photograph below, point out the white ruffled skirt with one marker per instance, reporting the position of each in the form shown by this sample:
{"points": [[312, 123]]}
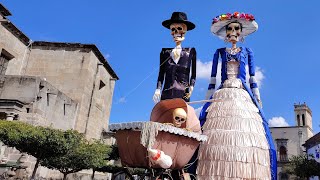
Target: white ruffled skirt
{"points": [[237, 147]]}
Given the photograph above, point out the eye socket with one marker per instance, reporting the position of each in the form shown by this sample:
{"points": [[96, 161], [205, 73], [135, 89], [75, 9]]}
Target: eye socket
{"points": [[182, 120], [173, 29], [229, 28], [179, 28], [237, 28], [176, 118]]}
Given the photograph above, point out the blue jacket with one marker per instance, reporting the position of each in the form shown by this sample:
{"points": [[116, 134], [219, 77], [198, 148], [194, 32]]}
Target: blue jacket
{"points": [[245, 57]]}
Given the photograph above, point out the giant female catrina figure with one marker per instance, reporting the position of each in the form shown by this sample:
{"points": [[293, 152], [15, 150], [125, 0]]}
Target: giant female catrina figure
{"points": [[239, 142]]}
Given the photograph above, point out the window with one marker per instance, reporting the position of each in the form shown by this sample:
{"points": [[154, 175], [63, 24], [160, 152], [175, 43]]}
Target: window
{"points": [[298, 119], [4, 60], [283, 154], [64, 109], [101, 85], [284, 176], [3, 64], [303, 120]]}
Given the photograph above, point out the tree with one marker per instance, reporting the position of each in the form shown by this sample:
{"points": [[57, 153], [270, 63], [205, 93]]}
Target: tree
{"points": [[114, 153], [85, 156], [98, 153], [40, 142], [303, 166]]}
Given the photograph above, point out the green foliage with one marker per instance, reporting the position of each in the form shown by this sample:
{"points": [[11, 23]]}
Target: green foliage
{"points": [[66, 151], [85, 156], [37, 141], [114, 153], [303, 166]]}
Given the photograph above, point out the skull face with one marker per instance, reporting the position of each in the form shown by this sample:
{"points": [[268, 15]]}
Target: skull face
{"points": [[233, 32], [179, 117], [178, 31]]}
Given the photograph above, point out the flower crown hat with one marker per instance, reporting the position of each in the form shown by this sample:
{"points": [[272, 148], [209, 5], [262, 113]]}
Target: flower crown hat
{"points": [[247, 21]]}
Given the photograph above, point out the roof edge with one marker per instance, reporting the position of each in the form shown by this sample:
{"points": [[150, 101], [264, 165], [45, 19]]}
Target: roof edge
{"points": [[4, 10], [93, 47], [16, 32]]}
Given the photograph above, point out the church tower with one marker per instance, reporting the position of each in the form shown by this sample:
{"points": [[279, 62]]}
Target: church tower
{"points": [[303, 115]]}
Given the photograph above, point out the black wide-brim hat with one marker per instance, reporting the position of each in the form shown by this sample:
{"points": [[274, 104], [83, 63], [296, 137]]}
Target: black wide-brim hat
{"points": [[179, 17]]}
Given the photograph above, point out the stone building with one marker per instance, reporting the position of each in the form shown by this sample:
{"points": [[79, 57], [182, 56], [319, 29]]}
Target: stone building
{"points": [[313, 148], [63, 85], [289, 140]]}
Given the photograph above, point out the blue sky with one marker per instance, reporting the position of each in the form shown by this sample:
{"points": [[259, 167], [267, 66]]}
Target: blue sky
{"points": [[130, 35]]}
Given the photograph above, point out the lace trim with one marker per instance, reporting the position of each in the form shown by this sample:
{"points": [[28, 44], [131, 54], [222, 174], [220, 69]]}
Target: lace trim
{"points": [[235, 123], [236, 138], [231, 93], [227, 105], [222, 170], [160, 127], [232, 113], [226, 154]]}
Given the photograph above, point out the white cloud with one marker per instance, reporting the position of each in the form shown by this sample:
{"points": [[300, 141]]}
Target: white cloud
{"points": [[203, 69], [277, 122], [259, 75], [122, 100], [198, 110], [204, 72]]}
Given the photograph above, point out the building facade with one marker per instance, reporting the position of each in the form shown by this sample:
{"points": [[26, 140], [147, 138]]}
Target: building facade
{"points": [[58, 84], [313, 148], [289, 140]]}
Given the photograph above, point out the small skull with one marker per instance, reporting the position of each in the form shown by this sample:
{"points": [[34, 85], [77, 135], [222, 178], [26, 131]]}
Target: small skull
{"points": [[178, 31], [233, 31], [179, 117]]}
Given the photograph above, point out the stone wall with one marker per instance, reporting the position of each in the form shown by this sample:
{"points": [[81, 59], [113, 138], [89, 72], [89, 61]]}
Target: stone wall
{"points": [[43, 104], [295, 139], [78, 73], [63, 85], [12, 45], [101, 99]]}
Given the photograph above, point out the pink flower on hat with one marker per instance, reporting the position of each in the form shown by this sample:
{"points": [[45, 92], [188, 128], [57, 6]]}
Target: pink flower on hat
{"points": [[242, 16], [235, 15]]}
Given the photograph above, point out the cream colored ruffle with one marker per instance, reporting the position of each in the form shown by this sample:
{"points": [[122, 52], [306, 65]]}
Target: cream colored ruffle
{"points": [[232, 113], [233, 154], [236, 138], [233, 170], [235, 123], [231, 104], [232, 83], [236, 147], [226, 178], [145, 126], [232, 93]]}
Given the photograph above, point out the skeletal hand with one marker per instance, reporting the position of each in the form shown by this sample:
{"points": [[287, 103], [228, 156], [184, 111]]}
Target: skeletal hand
{"points": [[188, 95], [156, 96]]}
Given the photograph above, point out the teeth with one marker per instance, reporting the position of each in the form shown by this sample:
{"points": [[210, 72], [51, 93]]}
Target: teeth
{"points": [[177, 35]]}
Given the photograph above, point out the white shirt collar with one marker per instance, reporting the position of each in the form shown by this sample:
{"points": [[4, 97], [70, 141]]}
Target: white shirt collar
{"points": [[178, 47]]}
